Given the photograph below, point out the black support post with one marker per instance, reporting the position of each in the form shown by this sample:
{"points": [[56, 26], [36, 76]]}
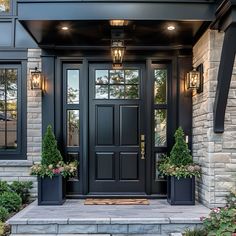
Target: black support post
{"points": [[224, 78]]}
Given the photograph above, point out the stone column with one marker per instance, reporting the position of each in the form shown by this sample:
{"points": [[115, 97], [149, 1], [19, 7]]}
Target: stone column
{"points": [[215, 152]]}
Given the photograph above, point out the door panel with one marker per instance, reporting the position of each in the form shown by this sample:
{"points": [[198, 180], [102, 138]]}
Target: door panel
{"points": [[116, 111]]}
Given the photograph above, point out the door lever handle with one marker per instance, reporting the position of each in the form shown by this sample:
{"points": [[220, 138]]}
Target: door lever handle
{"points": [[142, 147]]}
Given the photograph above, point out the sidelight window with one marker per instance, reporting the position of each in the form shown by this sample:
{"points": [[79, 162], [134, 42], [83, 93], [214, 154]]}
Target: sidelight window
{"points": [[117, 84], [160, 107], [5, 6]]}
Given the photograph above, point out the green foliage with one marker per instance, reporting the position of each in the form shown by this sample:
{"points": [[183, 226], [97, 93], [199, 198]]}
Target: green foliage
{"points": [[221, 222], [4, 187], [180, 154], [180, 163], [11, 201], [23, 189], [1, 228], [50, 153], [3, 214], [5, 230], [195, 232]]}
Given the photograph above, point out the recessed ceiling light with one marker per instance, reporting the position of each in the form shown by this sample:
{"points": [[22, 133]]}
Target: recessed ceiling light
{"points": [[65, 28], [118, 22], [171, 27]]}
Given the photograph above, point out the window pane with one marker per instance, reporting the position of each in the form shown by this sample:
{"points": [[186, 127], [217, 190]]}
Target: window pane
{"points": [[11, 79], [117, 92], [158, 158], [73, 156], [2, 79], [160, 86], [2, 137], [72, 86], [131, 76], [132, 92], [101, 77], [4, 6], [11, 104], [160, 118], [73, 128], [2, 120], [117, 77], [101, 92], [11, 120], [11, 139]]}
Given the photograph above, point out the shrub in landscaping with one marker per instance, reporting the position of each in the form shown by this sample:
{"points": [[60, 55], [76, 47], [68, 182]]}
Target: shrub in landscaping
{"points": [[3, 213], [195, 232], [4, 187], [23, 189], [11, 201]]}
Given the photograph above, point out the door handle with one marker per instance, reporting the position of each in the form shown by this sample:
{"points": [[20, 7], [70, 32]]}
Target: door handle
{"points": [[142, 146]]}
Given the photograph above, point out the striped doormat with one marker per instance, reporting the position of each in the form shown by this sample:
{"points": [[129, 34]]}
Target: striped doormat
{"points": [[120, 201]]}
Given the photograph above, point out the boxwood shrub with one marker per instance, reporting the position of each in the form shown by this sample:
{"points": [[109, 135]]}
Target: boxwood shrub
{"points": [[11, 201], [3, 213]]}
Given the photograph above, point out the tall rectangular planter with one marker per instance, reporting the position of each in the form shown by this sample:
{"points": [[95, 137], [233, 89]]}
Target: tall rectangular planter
{"points": [[181, 191], [51, 191]]}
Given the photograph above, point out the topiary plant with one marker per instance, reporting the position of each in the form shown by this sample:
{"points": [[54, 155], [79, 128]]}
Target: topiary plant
{"points": [[11, 201], [180, 154], [3, 213], [50, 153]]}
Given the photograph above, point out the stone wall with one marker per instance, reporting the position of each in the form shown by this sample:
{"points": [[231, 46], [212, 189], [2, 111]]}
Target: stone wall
{"points": [[215, 152], [13, 170]]}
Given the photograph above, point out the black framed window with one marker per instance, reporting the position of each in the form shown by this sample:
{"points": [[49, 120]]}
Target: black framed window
{"points": [[12, 134], [71, 112], [160, 111]]}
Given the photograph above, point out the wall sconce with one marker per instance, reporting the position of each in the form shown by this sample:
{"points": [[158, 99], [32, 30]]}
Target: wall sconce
{"points": [[117, 52], [36, 80], [194, 79]]}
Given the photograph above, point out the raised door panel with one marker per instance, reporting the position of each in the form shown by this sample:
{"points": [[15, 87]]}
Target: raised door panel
{"points": [[129, 166]]}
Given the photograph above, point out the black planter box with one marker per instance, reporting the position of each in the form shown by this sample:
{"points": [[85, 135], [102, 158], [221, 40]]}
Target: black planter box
{"points": [[51, 191], [181, 191]]}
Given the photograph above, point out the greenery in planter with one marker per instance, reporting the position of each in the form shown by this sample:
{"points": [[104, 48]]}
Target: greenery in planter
{"points": [[3, 213], [52, 163], [180, 163], [11, 201]]}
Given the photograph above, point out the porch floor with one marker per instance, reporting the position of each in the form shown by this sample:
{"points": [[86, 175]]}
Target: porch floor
{"points": [[158, 218]]}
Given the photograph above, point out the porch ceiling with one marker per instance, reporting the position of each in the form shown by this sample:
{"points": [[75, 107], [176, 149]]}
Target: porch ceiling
{"points": [[98, 33]]}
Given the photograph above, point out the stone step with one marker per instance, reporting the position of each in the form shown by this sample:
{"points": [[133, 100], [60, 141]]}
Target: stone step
{"points": [[119, 228]]}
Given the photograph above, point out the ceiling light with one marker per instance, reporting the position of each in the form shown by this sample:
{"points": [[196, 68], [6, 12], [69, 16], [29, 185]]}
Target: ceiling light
{"points": [[65, 28], [118, 22], [171, 27]]}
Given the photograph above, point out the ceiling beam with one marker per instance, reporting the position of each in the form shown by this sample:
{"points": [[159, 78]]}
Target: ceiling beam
{"points": [[224, 78], [104, 10]]}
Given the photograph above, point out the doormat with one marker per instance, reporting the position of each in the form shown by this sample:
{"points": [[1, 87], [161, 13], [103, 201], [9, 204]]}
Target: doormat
{"points": [[100, 201]]}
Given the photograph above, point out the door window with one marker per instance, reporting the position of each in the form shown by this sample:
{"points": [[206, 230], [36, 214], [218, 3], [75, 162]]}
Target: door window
{"points": [[117, 84]]}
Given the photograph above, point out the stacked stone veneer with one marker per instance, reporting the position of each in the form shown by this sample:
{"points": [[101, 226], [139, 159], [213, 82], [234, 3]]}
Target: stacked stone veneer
{"points": [[13, 170], [215, 152]]}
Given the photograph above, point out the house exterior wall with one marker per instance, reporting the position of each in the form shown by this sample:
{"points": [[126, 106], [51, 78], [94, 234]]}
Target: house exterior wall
{"points": [[19, 170], [215, 152]]}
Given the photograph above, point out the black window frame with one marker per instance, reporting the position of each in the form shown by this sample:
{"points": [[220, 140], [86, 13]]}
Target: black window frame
{"points": [[20, 152]]}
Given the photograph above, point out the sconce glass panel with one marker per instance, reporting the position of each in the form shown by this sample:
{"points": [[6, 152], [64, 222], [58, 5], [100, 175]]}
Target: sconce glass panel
{"points": [[36, 80], [193, 79]]}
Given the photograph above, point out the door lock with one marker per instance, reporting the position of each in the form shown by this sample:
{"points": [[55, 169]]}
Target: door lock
{"points": [[142, 146]]}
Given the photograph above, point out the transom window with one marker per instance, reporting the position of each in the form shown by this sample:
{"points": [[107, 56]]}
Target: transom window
{"points": [[8, 108], [117, 84]]}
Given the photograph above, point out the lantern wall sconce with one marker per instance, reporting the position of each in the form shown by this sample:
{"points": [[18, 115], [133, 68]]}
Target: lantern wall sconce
{"points": [[117, 52], [194, 79], [36, 80]]}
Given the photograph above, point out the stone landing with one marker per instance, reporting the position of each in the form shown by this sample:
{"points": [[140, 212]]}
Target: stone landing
{"points": [[75, 218]]}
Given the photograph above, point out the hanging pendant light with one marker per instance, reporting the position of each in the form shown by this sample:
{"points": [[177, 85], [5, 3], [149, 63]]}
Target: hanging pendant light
{"points": [[117, 53]]}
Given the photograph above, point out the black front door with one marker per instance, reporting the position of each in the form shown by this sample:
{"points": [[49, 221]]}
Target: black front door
{"points": [[116, 129]]}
